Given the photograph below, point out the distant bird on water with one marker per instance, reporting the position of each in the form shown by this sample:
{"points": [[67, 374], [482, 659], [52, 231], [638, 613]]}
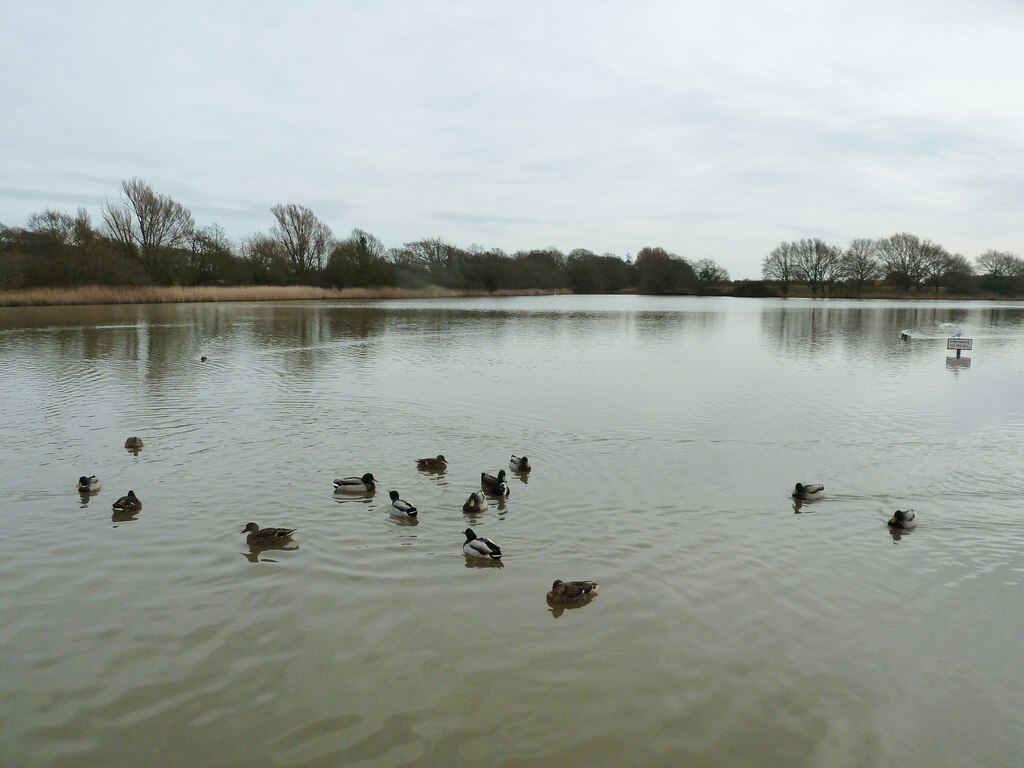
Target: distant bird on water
{"points": [[437, 463], [401, 508], [903, 518], [494, 484], [89, 484], [259, 535], [519, 464], [133, 443], [364, 484], [475, 504], [128, 503], [571, 591], [477, 546], [809, 492]]}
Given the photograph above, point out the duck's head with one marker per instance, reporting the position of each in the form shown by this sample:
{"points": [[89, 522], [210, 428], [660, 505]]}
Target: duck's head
{"points": [[131, 495], [251, 528], [469, 534], [901, 516], [501, 474], [523, 462], [83, 480], [556, 586], [394, 495], [368, 478], [441, 459]]}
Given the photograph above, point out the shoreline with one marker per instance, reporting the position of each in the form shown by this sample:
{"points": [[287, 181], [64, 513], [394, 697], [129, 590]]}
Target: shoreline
{"points": [[87, 295], [91, 295]]}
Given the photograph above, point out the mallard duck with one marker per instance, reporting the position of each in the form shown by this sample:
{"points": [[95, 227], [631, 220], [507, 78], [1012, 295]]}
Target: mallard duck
{"points": [[495, 485], [572, 591], [203, 359], [475, 504], [89, 484], [810, 492], [401, 508], [437, 463], [259, 535], [903, 518], [128, 503], [133, 443], [476, 546], [364, 484], [519, 464]]}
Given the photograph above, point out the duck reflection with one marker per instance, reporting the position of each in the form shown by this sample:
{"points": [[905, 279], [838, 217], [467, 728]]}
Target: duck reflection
{"points": [[557, 609], [479, 562], [254, 555], [124, 515]]}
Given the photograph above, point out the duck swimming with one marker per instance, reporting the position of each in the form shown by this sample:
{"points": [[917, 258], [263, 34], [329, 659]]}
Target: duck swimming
{"points": [[128, 503], [401, 508], [810, 492], [903, 518], [519, 464], [89, 484], [259, 535], [437, 463], [495, 485], [477, 546], [364, 484], [572, 591], [133, 443], [475, 504]]}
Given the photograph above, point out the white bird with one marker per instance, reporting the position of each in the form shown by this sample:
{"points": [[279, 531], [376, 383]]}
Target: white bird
{"points": [[809, 492], [364, 484], [401, 508], [903, 518], [89, 484], [476, 503], [476, 546]]}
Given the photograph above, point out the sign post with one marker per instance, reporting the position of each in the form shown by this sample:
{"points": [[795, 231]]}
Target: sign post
{"points": [[959, 345]]}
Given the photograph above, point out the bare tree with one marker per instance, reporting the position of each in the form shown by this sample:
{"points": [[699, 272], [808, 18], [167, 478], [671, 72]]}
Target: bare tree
{"points": [[816, 263], [710, 272], [304, 239], [780, 265], [145, 225], [859, 264], [1001, 264], [904, 259], [55, 226]]}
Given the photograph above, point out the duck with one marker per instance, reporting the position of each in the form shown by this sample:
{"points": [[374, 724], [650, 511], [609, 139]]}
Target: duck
{"points": [[89, 484], [494, 484], [133, 443], [905, 334], [401, 508], [364, 484], [477, 546], [476, 503], [572, 591], [809, 492], [203, 359], [439, 462], [903, 518], [128, 503], [259, 535], [519, 464]]}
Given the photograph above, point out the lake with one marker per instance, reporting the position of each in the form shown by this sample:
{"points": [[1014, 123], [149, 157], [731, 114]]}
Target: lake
{"points": [[733, 627]]}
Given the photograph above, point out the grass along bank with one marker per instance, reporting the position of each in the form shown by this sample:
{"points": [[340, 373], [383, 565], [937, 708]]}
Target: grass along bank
{"points": [[103, 294]]}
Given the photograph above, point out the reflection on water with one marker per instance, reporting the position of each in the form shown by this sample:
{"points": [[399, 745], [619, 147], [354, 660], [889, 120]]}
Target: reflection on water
{"points": [[665, 432]]}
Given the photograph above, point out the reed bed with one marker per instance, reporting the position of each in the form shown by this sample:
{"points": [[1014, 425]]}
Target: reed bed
{"points": [[104, 294]]}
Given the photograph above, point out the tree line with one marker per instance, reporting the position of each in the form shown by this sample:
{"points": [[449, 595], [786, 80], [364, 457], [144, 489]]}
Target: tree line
{"points": [[903, 261], [146, 237]]}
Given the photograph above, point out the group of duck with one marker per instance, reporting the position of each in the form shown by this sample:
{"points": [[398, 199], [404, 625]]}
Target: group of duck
{"points": [[474, 546], [902, 519]]}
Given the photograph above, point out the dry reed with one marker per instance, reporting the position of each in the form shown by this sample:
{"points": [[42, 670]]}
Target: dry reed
{"points": [[102, 294]]}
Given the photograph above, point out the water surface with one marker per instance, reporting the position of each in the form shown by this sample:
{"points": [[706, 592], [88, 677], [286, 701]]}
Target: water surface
{"points": [[732, 627]]}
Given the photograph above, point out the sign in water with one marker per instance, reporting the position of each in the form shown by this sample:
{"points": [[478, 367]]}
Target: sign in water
{"points": [[959, 343]]}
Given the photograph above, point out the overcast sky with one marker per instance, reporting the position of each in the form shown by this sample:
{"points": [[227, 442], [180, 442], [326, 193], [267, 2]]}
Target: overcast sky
{"points": [[712, 129]]}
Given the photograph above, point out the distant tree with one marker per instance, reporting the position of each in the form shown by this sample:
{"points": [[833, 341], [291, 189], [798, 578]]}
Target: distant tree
{"points": [[816, 263], [710, 272], [305, 241], [780, 265], [433, 258], [859, 263], [957, 275], [146, 226], [265, 259], [1000, 264], [538, 269], [589, 273], [661, 272], [57, 227], [360, 260], [210, 258]]}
